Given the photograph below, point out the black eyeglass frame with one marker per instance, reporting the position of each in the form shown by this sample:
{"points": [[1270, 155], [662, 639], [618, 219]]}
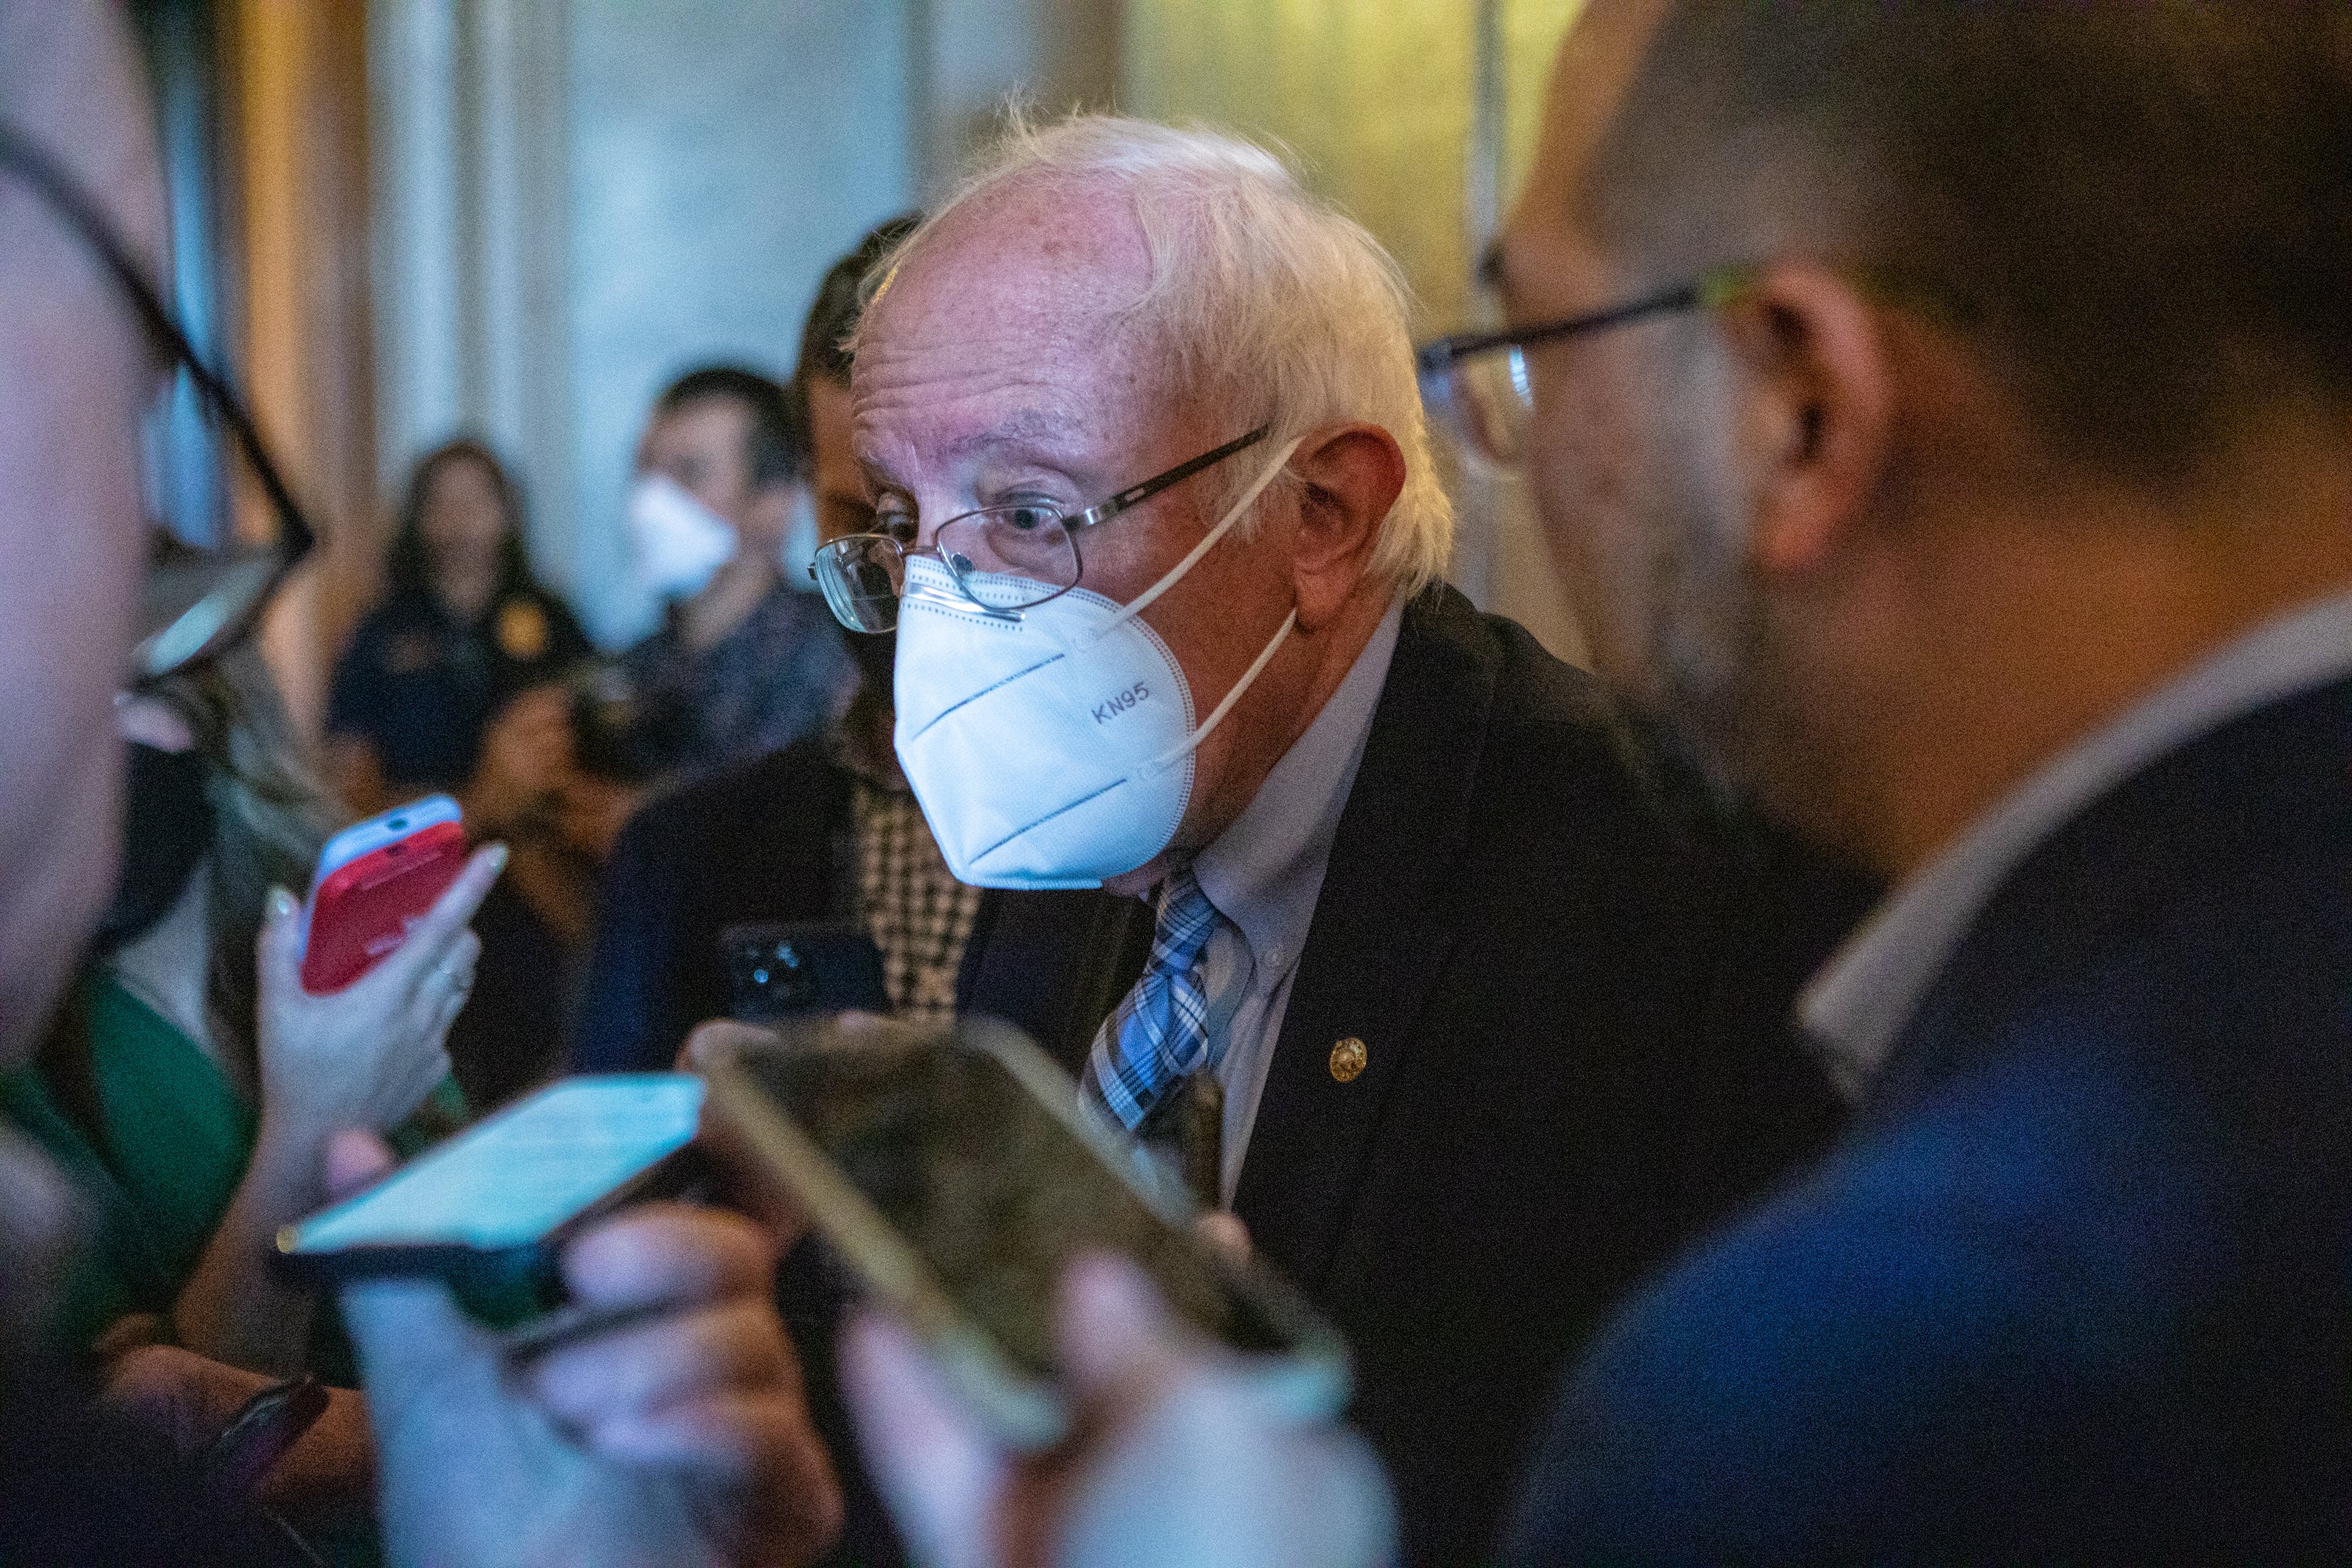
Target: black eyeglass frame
{"points": [[1436, 363], [33, 164], [1135, 495], [1437, 359]]}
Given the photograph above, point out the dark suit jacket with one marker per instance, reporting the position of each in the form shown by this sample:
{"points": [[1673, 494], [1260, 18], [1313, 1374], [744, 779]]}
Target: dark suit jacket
{"points": [[1573, 1000], [764, 840], [2079, 1285]]}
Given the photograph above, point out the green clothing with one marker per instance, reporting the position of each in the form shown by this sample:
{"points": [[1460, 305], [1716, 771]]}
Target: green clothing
{"points": [[171, 1142]]}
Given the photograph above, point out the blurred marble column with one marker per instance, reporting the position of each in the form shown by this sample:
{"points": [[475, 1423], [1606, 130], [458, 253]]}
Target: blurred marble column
{"points": [[972, 57], [471, 243], [579, 200]]}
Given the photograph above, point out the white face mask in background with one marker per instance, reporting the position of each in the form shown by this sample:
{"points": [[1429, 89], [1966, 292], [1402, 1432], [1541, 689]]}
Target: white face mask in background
{"points": [[1052, 749], [676, 543]]}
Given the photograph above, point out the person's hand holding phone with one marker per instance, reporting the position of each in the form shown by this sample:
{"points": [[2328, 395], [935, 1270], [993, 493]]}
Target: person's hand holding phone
{"points": [[365, 1056], [678, 1434], [1178, 1459], [526, 760], [368, 1054]]}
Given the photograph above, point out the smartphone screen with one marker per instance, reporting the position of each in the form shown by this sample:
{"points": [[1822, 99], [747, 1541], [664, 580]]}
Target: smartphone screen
{"points": [[957, 1176], [515, 1178]]}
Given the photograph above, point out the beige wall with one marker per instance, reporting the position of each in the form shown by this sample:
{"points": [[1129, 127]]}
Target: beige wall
{"points": [[1417, 117], [1373, 100]]}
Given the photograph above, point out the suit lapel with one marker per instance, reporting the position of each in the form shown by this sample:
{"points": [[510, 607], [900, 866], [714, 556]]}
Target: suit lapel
{"points": [[1381, 932]]}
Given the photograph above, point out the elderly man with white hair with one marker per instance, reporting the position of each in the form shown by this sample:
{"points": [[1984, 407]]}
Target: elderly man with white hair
{"points": [[1449, 999]]}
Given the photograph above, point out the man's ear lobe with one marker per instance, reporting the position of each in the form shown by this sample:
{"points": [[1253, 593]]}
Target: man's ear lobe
{"points": [[1820, 414]]}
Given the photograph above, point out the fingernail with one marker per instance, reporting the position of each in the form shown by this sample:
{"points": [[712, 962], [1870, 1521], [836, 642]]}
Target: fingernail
{"points": [[498, 858], [281, 904]]}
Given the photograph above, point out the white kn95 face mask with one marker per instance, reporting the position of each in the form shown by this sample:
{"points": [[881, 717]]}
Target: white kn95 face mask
{"points": [[1052, 748], [676, 545]]}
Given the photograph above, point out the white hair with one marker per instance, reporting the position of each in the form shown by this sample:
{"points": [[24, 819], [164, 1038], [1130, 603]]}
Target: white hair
{"points": [[1268, 298]]}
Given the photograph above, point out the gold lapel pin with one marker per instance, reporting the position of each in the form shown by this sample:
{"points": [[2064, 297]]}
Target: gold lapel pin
{"points": [[1348, 1059]]}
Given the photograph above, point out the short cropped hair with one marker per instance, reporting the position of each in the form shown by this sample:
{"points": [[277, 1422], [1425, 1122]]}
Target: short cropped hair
{"points": [[832, 315], [1264, 296], [2142, 214], [776, 444]]}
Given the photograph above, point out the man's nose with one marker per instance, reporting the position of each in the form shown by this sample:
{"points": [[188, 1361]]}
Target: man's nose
{"points": [[930, 511]]}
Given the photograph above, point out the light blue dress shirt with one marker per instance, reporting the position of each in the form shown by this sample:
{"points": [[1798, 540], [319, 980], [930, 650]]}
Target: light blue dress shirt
{"points": [[1264, 874]]}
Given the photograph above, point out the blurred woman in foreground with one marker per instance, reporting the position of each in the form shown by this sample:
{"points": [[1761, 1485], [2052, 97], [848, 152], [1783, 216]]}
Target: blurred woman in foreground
{"points": [[189, 1083]]}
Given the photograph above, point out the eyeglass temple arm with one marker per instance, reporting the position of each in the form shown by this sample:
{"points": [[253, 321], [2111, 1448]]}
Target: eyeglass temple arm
{"points": [[34, 165], [1437, 357], [1135, 495]]}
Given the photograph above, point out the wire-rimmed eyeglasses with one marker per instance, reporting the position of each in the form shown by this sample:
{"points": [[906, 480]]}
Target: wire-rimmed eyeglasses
{"points": [[1004, 558]]}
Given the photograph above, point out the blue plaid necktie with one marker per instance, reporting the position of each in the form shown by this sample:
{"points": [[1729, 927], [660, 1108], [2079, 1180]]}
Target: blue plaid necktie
{"points": [[1159, 1036]]}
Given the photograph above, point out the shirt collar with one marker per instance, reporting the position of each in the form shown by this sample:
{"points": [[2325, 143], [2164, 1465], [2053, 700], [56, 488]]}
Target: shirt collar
{"points": [[1858, 1003], [1265, 871]]}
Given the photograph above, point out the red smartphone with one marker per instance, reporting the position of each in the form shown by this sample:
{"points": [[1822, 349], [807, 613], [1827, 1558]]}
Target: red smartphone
{"points": [[375, 880]]}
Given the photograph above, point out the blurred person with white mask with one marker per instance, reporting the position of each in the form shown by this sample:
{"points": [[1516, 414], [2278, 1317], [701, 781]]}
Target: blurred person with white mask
{"points": [[718, 508]]}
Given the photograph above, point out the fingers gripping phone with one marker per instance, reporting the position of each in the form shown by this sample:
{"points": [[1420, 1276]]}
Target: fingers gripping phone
{"points": [[490, 1209], [958, 1175], [375, 879]]}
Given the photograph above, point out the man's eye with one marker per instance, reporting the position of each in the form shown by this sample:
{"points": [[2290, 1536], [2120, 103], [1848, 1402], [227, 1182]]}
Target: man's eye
{"points": [[1031, 518]]}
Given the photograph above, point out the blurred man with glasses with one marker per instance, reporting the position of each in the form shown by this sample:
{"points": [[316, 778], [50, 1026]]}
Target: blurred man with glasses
{"points": [[1457, 999]]}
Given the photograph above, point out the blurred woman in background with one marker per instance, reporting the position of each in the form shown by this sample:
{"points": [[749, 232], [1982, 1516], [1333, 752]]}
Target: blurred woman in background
{"points": [[189, 1084], [465, 629]]}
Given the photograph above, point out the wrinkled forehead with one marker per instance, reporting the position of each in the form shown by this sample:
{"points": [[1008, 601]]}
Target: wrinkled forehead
{"points": [[1025, 295]]}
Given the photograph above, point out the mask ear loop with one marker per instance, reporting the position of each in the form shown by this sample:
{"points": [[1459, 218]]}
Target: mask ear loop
{"points": [[1175, 574], [1192, 742]]}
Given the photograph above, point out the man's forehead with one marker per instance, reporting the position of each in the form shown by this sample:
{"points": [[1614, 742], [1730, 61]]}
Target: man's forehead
{"points": [[714, 417], [1034, 254], [1008, 327], [1596, 64]]}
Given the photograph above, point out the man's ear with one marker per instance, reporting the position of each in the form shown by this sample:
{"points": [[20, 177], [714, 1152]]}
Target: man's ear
{"points": [[1817, 412], [1351, 475]]}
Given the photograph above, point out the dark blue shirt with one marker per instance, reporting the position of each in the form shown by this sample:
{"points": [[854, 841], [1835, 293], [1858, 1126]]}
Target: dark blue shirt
{"points": [[783, 674], [419, 684]]}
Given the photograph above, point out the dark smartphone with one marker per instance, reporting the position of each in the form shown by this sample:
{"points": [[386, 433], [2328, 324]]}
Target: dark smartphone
{"points": [[957, 1173], [810, 967], [489, 1209]]}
